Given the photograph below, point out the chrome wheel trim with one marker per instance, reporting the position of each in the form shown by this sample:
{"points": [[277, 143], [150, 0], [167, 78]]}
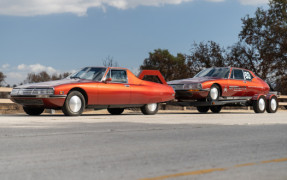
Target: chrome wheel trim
{"points": [[152, 107], [261, 104], [273, 104], [75, 104], [214, 93]]}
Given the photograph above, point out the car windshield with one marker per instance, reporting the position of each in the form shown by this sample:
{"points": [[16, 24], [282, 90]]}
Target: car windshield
{"points": [[214, 72], [90, 73]]}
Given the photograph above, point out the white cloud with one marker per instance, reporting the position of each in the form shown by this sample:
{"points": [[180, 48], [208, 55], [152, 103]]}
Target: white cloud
{"points": [[79, 7], [36, 68], [21, 67], [253, 2], [5, 66], [18, 74]]}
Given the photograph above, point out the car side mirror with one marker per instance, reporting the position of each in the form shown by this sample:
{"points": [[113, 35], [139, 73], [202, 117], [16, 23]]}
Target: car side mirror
{"points": [[108, 80]]}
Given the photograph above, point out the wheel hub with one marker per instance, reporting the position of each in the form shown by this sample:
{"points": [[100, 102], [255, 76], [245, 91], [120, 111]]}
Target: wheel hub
{"points": [[261, 104], [75, 104], [152, 107], [273, 104], [214, 93]]}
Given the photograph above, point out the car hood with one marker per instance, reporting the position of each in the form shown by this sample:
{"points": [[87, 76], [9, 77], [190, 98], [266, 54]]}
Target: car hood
{"points": [[54, 83], [192, 80]]}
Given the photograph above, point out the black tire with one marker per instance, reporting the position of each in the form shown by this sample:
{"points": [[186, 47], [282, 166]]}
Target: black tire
{"points": [[202, 109], [116, 111], [272, 105], [214, 93], [76, 109], [33, 111], [216, 109], [150, 109], [259, 106]]}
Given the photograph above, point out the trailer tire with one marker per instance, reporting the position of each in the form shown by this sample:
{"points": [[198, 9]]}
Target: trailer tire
{"points": [[272, 105], [202, 109], [216, 109], [259, 105]]}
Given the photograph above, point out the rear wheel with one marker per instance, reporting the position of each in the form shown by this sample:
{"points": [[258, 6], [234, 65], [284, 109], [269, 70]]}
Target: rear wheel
{"points": [[202, 109], [259, 105], [216, 109], [150, 109], [116, 111], [272, 105], [33, 111], [74, 104]]}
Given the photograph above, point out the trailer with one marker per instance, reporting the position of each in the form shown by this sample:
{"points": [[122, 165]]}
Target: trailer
{"points": [[259, 102]]}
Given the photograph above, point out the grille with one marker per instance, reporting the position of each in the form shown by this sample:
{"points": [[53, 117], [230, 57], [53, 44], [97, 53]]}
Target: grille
{"points": [[29, 101]]}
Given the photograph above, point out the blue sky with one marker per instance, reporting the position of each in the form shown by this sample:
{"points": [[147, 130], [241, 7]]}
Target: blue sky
{"points": [[60, 36]]}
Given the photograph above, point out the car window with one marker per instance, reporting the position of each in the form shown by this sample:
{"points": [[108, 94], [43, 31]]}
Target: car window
{"points": [[247, 75], [237, 74], [214, 72], [118, 76]]}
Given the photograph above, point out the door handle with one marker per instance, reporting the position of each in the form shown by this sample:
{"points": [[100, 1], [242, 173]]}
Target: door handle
{"points": [[127, 85], [244, 81]]}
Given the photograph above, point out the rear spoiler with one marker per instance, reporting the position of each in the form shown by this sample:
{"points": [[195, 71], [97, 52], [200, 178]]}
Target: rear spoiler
{"points": [[156, 73]]}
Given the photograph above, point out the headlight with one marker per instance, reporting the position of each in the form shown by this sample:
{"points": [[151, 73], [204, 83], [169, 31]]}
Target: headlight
{"points": [[196, 86], [14, 91], [43, 91]]}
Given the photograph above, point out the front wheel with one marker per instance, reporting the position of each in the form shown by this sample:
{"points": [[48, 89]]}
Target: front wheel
{"points": [[150, 109], [214, 93], [272, 105], [33, 111], [74, 104], [116, 111], [259, 106]]}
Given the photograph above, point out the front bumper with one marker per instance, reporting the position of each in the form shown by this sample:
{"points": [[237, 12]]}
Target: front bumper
{"points": [[191, 95], [46, 101]]}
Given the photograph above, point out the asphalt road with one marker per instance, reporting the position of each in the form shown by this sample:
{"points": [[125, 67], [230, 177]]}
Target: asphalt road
{"points": [[169, 145]]}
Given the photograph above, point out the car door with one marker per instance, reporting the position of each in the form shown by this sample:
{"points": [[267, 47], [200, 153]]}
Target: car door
{"points": [[237, 84], [117, 91], [253, 86]]}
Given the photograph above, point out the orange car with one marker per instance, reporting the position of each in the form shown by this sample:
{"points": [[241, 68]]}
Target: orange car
{"points": [[94, 87], [225, 83]]}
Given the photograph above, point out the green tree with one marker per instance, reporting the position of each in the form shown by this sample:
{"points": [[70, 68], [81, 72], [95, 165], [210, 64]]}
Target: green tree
{"points": [[171, 67], [2, 79], [266, 35], [44, 76], [205, 55]]}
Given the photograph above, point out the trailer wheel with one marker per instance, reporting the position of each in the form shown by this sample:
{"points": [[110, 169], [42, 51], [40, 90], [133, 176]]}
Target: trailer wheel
{"points": [[214, 93], [202, 109], [259, 105], [272, 105], [216, 109]]}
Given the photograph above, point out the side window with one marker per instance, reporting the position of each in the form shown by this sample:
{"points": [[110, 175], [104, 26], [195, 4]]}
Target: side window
{"points": [[247, 75], [118, 76], [237, 74]]}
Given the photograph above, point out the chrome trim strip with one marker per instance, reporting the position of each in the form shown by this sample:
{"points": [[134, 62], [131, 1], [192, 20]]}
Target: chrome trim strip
{"points": [[40, 96]]}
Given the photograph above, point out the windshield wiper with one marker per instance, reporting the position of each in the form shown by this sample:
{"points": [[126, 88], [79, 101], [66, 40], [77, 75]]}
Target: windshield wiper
{"points": [[74, 77]]}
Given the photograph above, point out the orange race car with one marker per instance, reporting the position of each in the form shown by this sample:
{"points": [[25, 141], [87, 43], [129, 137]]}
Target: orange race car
{"points": [[94, 87], [222, 86]]}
